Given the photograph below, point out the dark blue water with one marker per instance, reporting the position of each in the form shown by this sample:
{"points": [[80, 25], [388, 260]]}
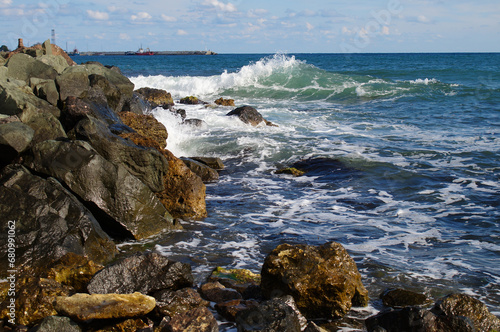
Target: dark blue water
{"points": [[416, 197]]}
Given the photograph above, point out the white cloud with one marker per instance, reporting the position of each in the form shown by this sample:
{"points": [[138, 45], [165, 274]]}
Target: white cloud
{"points": [[347, 31], [309, 26], [168, 18], [97, 15], [5, 3], [124, 36], [423, 19], [225, 7], [115, 9], [181, 32], [385, 31], [142, 16]]}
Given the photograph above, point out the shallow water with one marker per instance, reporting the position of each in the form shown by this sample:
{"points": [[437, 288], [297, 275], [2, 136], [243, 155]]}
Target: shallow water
{"points": [[413, 194]]}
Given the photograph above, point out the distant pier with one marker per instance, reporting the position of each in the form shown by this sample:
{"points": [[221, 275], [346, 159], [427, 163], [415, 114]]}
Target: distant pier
{"points": [[155, 53]]}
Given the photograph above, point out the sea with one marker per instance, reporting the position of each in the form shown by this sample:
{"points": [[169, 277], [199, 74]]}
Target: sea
{"points": [[406, 163]]}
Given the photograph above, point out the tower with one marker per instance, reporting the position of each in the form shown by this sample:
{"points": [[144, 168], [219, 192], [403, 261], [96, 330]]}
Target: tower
{"points": [[53, 41]]}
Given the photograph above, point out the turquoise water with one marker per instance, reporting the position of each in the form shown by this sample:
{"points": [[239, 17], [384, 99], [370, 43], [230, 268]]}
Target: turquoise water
{"points": [[416, 197]]}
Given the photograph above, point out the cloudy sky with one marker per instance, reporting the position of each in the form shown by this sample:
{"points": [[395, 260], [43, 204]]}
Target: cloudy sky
{"points": [[257, 26]]}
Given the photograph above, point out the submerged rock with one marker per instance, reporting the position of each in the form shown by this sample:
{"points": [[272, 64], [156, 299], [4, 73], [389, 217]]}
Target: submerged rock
{"points": [[191, 100], [146, 274], [399, 298], [248, 115], [82, 307], [291, 171], [323, 280]]}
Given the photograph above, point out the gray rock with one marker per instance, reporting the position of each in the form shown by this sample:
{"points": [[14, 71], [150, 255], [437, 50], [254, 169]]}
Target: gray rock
{"points": [[169, 302], [411, 319], [18, 99], [206, 173], [212, 162], [55, 61], [45, 126], [147, 164], [197, 123], [45, 89], [144, 273], [73, 84], [3, 71], [136, 104], [47, 47], [270, 316], [126, 207], [249, 115], [50, 221], [114, 97], [23, 67], [57, 323], [16, 135], [218, 293]]}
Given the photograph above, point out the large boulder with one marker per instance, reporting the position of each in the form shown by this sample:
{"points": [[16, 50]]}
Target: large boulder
{"points": [[323, 280], [49, 221], [58, 62], [73, 84], [114, 96], [146, 274], [23, 67], [400, 298], [76, 109], [16, 135], [126, 207], [156, 97], [170, 303], [249, 115], [147, 164], [206, 173], [45, 89], [82, 307]]}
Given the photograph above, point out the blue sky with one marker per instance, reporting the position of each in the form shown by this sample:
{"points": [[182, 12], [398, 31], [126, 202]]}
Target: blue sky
{"points": [[257, 26]]}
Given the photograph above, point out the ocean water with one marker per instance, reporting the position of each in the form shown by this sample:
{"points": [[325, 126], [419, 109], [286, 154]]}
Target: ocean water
{"points": [[409, 182]]}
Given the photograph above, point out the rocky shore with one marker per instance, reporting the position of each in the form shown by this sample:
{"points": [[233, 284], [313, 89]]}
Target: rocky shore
{"points": [[83, 166]]}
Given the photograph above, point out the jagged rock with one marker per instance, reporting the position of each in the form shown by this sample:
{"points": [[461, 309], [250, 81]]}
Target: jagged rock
{"points": [[47, 47], [212, 162], [15, 135], [230, 309], [45, 127], [45, 89], [206, 173], [411, 319], [244, 281], [249, 115], [75, 109], [195, 320], [169, 302], [74, 270], [399, 298], [462, 305], [137, 105], [50, 221], [271, 316], [146, 274], [34, 299], [125, 206], [114, 97], [218, 293], [58, 323], [57, 62], [146, 125], [16, 99], [312, 327], [179, 112], [82, 307], [197, 123], [224, 102], [323, 280], [156, 97], [191, 100], [23, 67], [147, 164], [72, 84]]}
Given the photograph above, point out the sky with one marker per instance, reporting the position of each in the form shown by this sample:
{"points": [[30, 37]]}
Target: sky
{"points": [[257, 26]]}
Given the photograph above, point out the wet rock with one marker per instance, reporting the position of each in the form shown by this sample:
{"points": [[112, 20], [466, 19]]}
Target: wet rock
{"points": [[57, 323], [137, 105], [170, 302], [125, 206], [271, 316], [119, 325], [324, 169], [244, 281], [74, 270], [249, 115], [146, 274], [146, 125], [224, 102], [206, 173], [212, 162], [399, 298], [312, 327], [411, 319], [191, 100], [323, 280], [156, 97], [148, 165], [230, 309], [196, 123], [179, 112], [216, 292], [291, 171], [82, 307], [72, 84], [114, 97], [198, 319], [50, 221], [74, 110], [23, 67], [462, 305], [34, 299]]}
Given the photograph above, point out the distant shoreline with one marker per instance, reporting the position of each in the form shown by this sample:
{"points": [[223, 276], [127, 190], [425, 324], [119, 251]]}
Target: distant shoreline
{"points": [[155, 53]]}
